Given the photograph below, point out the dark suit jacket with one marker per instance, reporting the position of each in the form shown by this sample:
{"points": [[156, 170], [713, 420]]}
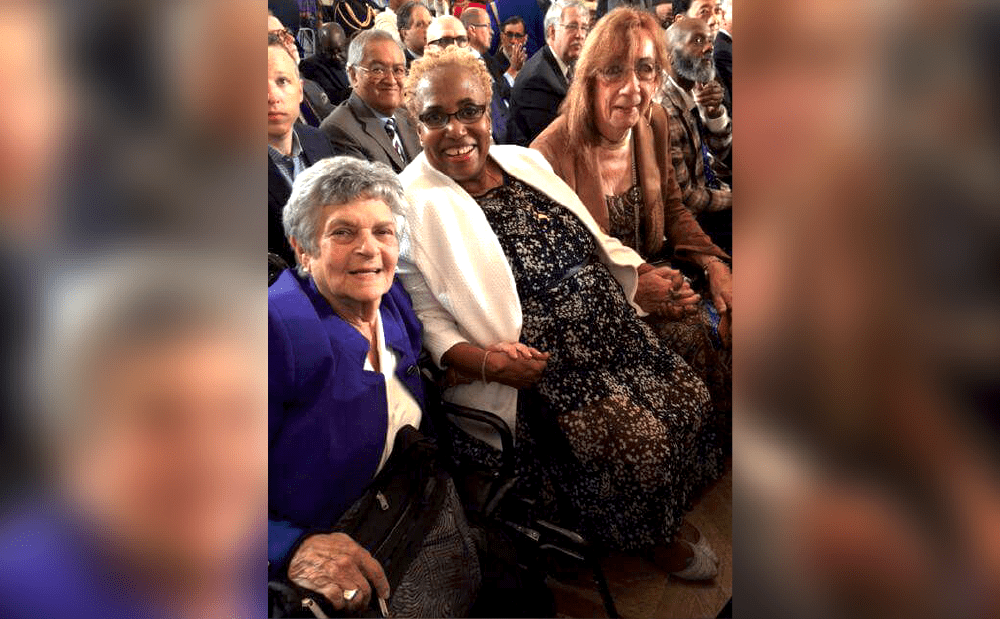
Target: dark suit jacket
{"points": [[538, 92], [723, 56], [501, 60], [500, 84], [315, 146], [355, 129], [409, 57], [330, 77]]}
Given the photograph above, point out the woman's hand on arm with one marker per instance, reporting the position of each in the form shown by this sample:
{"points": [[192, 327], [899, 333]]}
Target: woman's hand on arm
{"points": [[510, 363], [334, 563]]}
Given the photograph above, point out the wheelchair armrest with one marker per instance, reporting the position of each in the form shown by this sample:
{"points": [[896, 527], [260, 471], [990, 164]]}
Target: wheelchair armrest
{"points": [[493, 421]]}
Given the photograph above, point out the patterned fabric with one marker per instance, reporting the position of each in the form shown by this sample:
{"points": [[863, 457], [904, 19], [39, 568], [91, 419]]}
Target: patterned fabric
{"points": [[625, 218], [686, 155], [695, 338], [390, 130], [288, 165], [624, 437], [444, 578]]}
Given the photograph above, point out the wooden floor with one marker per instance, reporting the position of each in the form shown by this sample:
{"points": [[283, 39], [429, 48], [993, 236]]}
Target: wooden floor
{"points": [[641, 590]]}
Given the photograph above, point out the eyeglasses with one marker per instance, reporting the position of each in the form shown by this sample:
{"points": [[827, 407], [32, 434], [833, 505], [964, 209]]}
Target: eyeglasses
{"points": [[514, 35], [467, 114], [479, 26], [645, 70], [284, 35], [574, 28], [378, 71], [446, 41]]}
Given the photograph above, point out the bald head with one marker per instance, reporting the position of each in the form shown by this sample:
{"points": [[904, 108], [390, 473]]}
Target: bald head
{"points": [[477, 24], [332, 42], [446, 30]]}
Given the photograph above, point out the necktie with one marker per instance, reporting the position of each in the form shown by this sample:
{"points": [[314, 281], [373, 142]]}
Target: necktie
{"points": [[570, 72], [710, 178], [390, 130]]}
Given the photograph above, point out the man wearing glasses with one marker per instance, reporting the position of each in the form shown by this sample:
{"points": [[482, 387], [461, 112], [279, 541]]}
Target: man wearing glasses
{"points": [[447, 30], [512, 51], [541, 85], [370, 124], [477, 25]]}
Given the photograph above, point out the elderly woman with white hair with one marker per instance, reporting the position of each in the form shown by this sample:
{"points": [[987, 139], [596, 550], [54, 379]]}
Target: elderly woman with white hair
{"points": [[344, 401]]}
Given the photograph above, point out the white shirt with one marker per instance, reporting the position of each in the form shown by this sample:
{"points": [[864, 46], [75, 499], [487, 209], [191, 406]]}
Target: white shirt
{"points": [[403, 408], [562, 65]]}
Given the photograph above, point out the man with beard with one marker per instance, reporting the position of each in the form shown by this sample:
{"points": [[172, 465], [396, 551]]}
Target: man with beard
{"points": [[326, 66], [701, 133]]}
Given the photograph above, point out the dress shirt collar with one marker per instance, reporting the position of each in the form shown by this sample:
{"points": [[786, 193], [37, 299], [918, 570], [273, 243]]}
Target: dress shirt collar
{"points": [[296, 146], [562, 65]]}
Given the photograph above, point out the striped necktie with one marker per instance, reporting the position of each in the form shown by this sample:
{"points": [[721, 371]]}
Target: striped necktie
{"points": [[390, 130]]}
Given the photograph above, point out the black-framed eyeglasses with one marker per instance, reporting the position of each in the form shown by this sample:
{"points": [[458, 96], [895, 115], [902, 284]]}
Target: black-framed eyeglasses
{"points": [[479, 26], [645, 70], [446, 41], [514, 35], [467, 114], [378, 71]]}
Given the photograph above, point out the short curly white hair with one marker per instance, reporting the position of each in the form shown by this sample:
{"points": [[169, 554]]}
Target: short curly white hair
{"points": [[336, 180]]}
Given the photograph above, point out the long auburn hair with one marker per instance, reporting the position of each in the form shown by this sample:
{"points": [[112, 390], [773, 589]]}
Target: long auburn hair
{"points": [[611, 39]]}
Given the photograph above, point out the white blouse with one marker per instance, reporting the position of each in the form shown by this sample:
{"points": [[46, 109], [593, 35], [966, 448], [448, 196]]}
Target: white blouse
{"points": [[403, 408]]}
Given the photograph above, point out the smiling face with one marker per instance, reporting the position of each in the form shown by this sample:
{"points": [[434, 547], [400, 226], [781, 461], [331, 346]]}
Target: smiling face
{"points": [[284, 92], [356, 255], [458, 150], [382, 94], [566, 38], [618, 104]]}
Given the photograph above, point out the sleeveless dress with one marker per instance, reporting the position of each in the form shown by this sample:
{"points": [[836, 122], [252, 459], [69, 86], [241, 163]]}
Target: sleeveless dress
{"points": [[616, 437]]}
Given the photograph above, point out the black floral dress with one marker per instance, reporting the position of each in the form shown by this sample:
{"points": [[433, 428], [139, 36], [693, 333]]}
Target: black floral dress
{"points": [[616, 437], [695, 337]]}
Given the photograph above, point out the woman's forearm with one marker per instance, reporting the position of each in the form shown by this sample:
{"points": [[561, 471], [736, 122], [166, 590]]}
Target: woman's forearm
{"points": [[465, 358]]}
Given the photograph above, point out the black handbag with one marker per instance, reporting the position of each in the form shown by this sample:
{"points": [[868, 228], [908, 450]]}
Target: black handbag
{"points": [[391, 520]]}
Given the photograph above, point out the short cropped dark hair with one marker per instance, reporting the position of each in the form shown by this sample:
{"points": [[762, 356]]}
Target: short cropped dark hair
{"points": [[404, 16], [680, 7], [511, 21]]}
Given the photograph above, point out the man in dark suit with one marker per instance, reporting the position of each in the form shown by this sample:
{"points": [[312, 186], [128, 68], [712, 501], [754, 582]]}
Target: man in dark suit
{"points": [[326, 66], [291, 147], [511, 53], [480, 33], [541, 85], [371, 124], [412, 20], [723, 55]]}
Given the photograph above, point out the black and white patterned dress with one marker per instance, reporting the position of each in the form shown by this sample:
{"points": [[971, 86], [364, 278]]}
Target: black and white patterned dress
{"points": [[617, 432]]}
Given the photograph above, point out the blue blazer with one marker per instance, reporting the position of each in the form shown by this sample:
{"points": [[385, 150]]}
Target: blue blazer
{"points": [[327, 414]]}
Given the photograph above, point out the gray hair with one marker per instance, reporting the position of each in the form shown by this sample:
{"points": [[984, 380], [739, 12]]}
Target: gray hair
{"points": [[553, 16], [95, 306], [356, 50], [336, 180]]}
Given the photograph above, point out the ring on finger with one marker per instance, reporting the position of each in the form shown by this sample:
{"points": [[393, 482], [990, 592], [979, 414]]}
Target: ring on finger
{"points": [[349, 594]]}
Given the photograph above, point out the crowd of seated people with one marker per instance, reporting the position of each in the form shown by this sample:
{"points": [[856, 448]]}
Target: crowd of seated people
{"points": [[552, 232]]}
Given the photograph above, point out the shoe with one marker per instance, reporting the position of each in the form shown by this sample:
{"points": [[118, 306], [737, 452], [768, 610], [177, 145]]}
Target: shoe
{"points": [[703, 565]]}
